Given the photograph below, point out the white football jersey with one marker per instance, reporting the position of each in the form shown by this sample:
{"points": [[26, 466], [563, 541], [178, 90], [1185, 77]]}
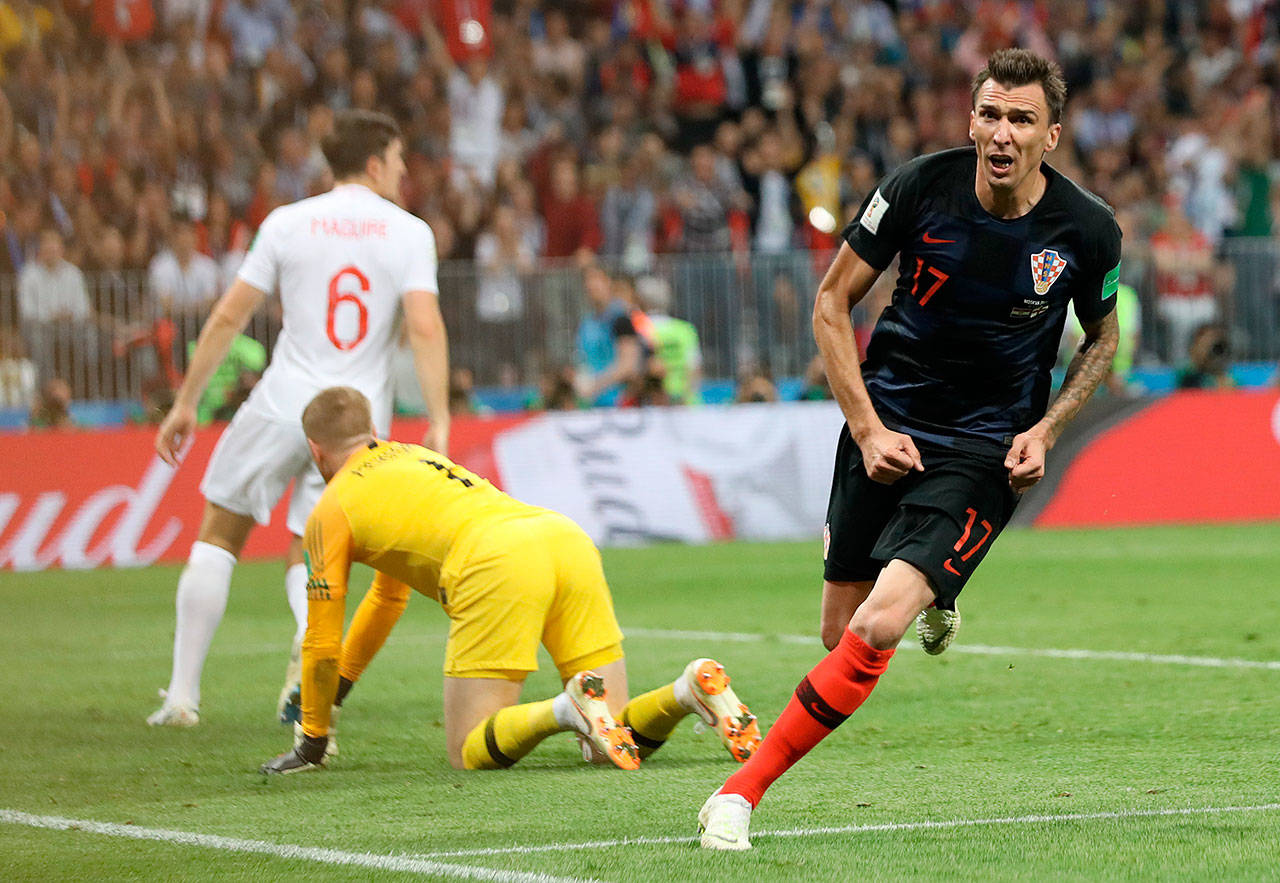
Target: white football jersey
{"points": [[341, 262]]}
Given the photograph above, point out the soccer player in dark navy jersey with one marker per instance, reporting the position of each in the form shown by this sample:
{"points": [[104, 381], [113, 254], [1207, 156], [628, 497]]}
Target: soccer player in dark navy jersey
{"points": [[948, 420]]}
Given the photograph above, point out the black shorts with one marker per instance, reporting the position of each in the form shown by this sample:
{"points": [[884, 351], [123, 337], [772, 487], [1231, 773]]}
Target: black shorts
{"points": [[942, 520]]}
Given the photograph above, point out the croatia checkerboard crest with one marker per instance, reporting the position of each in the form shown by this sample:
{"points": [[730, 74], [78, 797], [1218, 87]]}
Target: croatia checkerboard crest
{"points": [[1046, 267]]}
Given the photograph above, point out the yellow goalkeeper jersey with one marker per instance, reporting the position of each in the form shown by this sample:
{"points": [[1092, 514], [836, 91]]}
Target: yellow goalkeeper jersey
{"points": [[404, 510], [410, 513]]}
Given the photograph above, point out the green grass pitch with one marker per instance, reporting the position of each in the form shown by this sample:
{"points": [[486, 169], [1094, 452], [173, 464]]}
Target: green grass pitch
{"points": [[990, 735]]}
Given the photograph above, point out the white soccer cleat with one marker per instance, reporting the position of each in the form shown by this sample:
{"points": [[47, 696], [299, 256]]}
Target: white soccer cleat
{"points": [[719, 707], [608, 737], [936, 629], [173, 714], [723, 822]]}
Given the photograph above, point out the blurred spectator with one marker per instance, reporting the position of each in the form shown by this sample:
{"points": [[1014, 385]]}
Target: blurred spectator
{"points": [[117, 296], [705, 200], [1208, 361], [156, 401], [1198, 165], [462, 395], [676, 350], [610, 354], [573, 227], [628, 215], [533, 229], [776, 204], [21, 230], [25, 23], [516, 140], [255, 26], [52, 408], [503, 257], [232, 381], [476, 105], [1184, 279], [816, 386], [244, 383], [114, 291], [557, 391], [1129, 318], [556, 53], [298, 169], [701, 94], [112, 119], [183, 282], [121, 21], [755, 384], [53, 306], [503, 261], [224, 238], [17, 372]]}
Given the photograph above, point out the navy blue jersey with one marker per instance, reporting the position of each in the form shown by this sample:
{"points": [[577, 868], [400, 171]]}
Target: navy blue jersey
{"points": [[962, 355]]}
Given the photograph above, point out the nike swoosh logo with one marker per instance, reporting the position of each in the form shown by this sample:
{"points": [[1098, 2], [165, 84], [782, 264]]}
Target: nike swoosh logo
{"points": [[929, 240]]}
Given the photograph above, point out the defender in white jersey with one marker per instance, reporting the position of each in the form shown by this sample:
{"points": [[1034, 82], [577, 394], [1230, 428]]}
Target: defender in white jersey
{"points": [[343, 263]]}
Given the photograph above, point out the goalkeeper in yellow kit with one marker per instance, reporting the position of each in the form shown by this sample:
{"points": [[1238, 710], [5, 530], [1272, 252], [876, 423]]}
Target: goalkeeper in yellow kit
{"points": [[509, 575]]}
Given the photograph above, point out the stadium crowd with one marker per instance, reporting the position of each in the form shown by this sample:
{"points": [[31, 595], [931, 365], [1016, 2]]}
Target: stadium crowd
{"points": [[143, 141]]}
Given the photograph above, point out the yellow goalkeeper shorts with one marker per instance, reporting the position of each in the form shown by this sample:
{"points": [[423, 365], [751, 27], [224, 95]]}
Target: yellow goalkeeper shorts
{"points": [[526, 580]]}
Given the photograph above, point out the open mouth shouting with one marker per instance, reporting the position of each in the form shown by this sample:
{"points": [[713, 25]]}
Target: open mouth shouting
{"points": [[1001, 164]]}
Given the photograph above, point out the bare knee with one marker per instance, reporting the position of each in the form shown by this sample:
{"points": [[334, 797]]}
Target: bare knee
{"points": [[878, 628], [453, 749], [831, 634], [840, 600]]}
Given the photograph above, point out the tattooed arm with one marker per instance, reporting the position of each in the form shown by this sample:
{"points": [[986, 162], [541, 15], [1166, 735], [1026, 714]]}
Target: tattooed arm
{"points": [[1089, 367]]}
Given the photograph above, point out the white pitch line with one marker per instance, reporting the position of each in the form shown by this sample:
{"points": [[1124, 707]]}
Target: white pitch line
{"points": [[406, 863], [976, 649], [1115, 815]]}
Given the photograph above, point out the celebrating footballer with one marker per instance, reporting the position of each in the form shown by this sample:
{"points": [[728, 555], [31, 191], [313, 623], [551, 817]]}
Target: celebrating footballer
{"points": [[946, 420]]}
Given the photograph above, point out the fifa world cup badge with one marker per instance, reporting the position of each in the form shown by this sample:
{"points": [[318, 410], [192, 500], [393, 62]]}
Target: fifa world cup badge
{"points": [[1046, 267], [826, 540]]}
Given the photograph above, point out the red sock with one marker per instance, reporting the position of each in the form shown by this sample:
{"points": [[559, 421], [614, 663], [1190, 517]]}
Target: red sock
{"points": [[831, 692]]}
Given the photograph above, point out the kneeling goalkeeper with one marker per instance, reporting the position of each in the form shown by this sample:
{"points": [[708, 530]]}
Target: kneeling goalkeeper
{"points": [[509, 575]]}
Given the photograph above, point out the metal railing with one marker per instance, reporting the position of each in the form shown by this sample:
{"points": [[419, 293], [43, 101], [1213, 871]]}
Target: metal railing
{"points": [[509, 327]]}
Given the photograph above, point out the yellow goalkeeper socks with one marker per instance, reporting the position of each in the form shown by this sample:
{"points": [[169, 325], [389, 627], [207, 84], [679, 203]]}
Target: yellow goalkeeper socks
{"points": [[652, 717], [508, 735]]}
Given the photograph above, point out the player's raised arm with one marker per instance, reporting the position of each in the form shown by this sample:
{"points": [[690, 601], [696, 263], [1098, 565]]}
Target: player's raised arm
{"points": [[887, 455], [229, 317], [430, 344]]}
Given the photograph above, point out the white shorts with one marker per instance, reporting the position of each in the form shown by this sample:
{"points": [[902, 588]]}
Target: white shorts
{"points": [[252, 465]]}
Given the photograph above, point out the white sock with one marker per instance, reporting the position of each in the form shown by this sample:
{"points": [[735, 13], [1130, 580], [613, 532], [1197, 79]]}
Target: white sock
{"points": [[684, 695], [567, 715], [295, 589], [202, 599]]}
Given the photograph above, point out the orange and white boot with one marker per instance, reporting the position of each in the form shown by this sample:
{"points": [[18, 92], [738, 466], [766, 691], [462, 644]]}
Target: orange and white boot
{"points": [[608, 737], [704, 689]]}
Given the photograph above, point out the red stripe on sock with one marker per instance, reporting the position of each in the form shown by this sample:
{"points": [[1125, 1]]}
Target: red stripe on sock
{"points": [[843, 680]]}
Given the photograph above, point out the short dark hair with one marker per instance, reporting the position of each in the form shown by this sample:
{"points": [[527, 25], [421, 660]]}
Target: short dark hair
{"points": [[1021, 67], [356, 136]]}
